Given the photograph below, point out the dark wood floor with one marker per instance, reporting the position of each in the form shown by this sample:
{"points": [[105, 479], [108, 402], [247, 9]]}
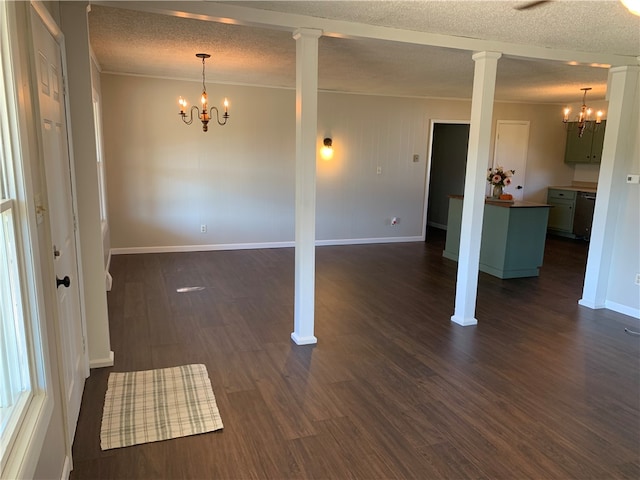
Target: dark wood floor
{"points": [[540, 388]]}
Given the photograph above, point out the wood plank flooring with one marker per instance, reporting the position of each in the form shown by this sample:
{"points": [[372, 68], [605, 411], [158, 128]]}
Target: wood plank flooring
{"points": [[541, 388]]}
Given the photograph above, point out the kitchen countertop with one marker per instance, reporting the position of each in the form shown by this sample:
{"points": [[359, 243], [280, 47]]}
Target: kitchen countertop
{"points": [[575, 189], [577, 186], [514, 203], [508, 203]]}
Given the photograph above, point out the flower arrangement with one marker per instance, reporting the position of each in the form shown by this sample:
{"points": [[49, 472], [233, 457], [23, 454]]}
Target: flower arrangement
{"points": [[499, 176]]}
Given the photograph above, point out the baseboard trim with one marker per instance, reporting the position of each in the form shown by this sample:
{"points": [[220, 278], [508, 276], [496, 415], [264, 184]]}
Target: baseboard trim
{"points": [[441, 226], [200, 248], [310, 340], [66, 468], [366, 241], [256, 246], [591, 304], [624, 309], [102, 362], [465, 322]]}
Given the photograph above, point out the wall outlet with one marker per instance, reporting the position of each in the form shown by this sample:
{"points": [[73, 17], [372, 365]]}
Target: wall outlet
{"points": [[416, 158], [637, 278], [203, 228], [379, 170]]}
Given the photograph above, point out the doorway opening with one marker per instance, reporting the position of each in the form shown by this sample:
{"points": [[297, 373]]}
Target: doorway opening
{"points": [[449, 142]]}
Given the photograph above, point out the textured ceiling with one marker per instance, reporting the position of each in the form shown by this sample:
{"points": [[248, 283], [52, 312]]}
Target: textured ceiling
{"points": [[261, 53]]}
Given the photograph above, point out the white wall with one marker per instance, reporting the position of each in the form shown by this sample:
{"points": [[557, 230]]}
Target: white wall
{"points": [[165, 179], [623, 294], [353, 200], [586, 173], [547, 139]]}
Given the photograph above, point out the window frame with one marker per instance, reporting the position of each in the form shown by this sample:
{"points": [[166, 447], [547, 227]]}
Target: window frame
{"points": [[30, 432]]}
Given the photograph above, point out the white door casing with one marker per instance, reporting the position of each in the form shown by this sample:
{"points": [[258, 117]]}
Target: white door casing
{"points": [[511, 146], [55, 151]]}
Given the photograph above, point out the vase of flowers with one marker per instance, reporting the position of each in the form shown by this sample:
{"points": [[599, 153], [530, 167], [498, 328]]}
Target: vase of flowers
{"points": [[499, 178]]}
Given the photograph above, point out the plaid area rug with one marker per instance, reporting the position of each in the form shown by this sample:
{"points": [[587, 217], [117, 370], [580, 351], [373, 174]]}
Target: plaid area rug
{"points": [[155, 405]]}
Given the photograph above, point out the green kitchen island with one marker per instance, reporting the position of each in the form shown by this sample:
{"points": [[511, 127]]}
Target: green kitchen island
{"points": [[513, 236]]}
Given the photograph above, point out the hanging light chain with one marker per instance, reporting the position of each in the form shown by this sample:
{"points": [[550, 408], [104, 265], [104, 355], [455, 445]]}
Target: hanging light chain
{"points": [[204, 87]]}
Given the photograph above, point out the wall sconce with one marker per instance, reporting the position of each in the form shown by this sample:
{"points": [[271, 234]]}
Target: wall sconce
{"points": [[584, 115], [206, 114], [326, 152]]}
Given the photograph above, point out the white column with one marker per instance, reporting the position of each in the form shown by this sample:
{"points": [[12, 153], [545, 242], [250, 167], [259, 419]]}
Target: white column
{"points": [[484, 82], [617, 148], [306, 133], [75, 26]]}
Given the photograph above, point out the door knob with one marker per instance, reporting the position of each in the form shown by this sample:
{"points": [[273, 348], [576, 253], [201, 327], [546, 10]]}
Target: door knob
{"points": [[65, 281], [519, 187]]}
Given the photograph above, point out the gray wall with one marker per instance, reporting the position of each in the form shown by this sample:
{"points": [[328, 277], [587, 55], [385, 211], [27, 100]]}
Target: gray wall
{"points": [[165, 179]]}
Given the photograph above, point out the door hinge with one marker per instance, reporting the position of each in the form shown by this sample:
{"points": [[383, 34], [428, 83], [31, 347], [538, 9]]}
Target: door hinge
{"points": [[75, 223]]}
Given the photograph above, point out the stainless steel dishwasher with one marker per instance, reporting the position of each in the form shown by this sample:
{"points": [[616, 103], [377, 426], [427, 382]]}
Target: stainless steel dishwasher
{"points": [[583, 215]]}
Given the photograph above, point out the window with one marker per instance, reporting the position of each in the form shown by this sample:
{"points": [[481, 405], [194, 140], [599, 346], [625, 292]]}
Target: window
{"points": [[15, 386], [25, 408]]}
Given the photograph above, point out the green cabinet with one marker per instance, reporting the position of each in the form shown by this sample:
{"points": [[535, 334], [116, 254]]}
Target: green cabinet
{"points": [[513, 238], [585, 149], [563, 204]]}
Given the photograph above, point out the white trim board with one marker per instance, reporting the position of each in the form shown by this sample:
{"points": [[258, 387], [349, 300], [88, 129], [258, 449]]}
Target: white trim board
{"points": [[103, 362], [66, 468], [613, 306], [624, 309], [256, 246]]}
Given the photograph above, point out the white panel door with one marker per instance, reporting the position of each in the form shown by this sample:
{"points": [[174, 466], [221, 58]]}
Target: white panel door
{"points": [[512, 144], [55, 150]]}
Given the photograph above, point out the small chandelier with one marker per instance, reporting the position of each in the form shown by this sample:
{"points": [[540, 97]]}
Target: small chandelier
{"points": [[585, 113], [206, 114]]}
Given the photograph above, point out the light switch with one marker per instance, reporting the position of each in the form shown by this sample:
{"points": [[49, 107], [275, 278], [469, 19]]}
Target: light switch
{"points": [[633, 178]]}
